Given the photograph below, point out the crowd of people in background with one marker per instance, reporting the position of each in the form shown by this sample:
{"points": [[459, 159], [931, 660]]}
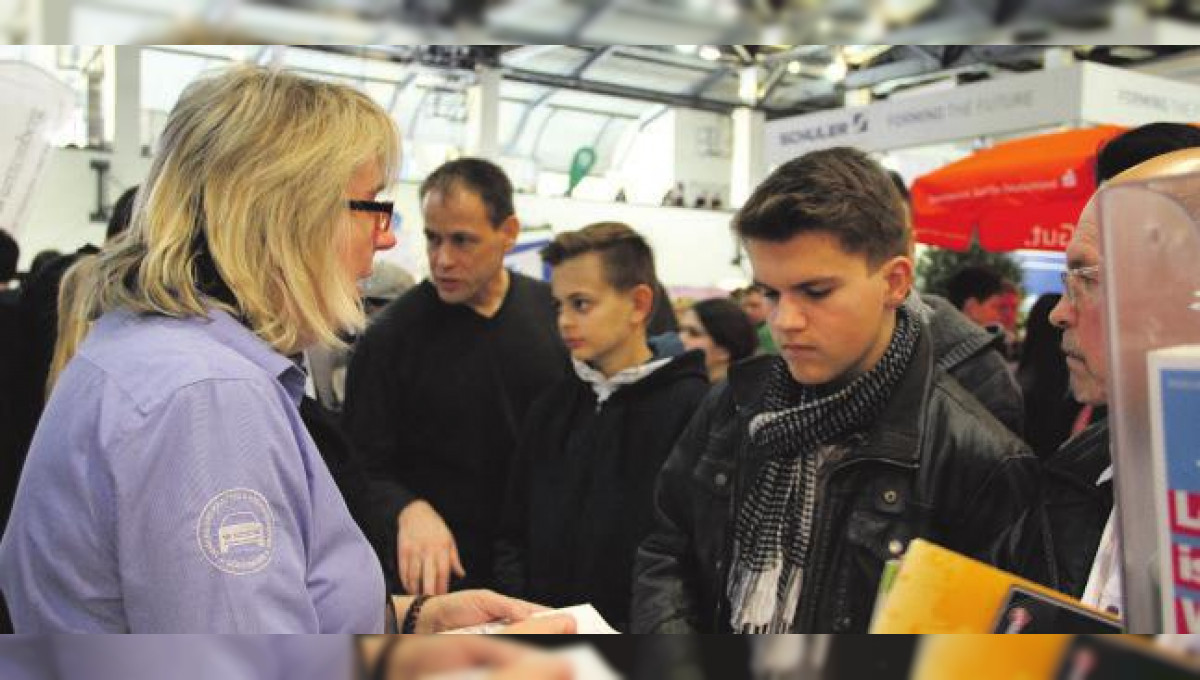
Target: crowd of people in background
{"points": [[746, 466]]}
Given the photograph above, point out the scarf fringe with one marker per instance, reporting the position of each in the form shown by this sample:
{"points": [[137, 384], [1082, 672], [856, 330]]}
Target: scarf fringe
{"points": [[758, 606]]}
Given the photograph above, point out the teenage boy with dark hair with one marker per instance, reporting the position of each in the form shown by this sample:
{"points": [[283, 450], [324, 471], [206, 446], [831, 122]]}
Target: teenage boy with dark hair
{"points": [[580, 493], [805, 472]]}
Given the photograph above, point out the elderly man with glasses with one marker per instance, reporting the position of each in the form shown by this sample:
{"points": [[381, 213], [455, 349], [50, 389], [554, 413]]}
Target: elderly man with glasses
{"points": [[1079, 476]]}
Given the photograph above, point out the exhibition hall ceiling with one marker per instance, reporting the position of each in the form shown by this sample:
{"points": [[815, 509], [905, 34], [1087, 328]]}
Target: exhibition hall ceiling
{"points": [[779, 79]]}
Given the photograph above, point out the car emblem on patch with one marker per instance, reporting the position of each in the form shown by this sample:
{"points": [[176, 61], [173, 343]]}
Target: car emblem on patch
{"points": [[236, 531]]}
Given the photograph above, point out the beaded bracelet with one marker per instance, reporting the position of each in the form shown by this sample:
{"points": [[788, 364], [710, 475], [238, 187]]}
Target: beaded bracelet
{"points": [[410, 617]]}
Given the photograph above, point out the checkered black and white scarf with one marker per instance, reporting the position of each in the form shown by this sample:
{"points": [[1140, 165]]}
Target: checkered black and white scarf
{"points": [[773, 529]]}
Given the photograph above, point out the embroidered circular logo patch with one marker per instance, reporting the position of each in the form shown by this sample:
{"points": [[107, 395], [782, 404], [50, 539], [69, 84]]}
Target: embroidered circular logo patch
{"points": [[236, 531]]}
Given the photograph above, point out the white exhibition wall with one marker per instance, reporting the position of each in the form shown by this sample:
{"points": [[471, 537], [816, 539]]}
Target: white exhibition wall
{"points": [[65, 199]]}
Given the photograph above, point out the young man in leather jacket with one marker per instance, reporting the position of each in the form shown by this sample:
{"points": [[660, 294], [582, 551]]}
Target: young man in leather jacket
{"points": [[802, 475]]}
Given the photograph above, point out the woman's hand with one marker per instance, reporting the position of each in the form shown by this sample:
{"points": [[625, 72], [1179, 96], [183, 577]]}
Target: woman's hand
{"points": [[475, 607]]}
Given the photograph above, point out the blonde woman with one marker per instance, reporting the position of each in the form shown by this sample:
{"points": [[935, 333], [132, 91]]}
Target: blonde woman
{"points": [[171, 485]]}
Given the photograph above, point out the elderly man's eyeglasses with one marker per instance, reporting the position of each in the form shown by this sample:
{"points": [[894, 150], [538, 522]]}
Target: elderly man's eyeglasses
{"points": [[382, 210], [1081, 283]]}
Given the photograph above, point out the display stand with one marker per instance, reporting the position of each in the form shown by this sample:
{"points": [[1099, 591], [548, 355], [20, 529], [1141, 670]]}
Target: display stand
{"points": [[1151, 283]]}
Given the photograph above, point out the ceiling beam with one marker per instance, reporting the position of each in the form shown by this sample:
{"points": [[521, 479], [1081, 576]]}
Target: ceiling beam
{"points": [[666, 58], [877, 75], [526, 114], [614, 90], [923, 54], [710, 80], [774, 80], [598, 54], [520, 55]]}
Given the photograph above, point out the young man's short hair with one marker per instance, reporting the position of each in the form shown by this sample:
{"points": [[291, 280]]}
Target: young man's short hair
{"points": [[840, 191], [974, 283], [626, 257], [901, 187], [483, 178]]}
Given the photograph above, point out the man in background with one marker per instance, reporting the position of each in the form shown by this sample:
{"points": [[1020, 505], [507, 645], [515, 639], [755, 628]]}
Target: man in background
{"points": [[758, 309], [441, 381]]}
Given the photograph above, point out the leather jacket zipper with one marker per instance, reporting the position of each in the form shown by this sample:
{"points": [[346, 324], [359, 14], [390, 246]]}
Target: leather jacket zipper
{"points": [[725, 556]]}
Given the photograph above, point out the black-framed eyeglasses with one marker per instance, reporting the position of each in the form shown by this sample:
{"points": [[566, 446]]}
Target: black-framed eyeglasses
{"points": [[383, 211]]}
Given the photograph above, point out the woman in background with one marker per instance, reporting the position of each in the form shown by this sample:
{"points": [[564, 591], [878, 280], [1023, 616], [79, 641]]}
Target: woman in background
{"points": [[1050, 409], [722, 330]]}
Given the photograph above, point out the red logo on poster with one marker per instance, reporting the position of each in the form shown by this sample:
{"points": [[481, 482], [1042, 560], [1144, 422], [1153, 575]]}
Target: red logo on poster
{"points": [[1185, 512], [1186, 560], [1187, 616]]}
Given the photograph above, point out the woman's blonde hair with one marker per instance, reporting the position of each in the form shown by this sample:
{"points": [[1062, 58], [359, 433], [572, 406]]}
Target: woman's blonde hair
{"points": [[251, 171]]}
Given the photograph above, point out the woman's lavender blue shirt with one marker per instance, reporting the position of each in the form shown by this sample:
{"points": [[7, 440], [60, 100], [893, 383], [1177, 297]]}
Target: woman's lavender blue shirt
{"points": [[172, 487]]}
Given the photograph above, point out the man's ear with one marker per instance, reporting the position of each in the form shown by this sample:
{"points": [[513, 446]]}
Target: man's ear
{"points": [[971, 308], [898, 276], [511, 228], [643, 303]]}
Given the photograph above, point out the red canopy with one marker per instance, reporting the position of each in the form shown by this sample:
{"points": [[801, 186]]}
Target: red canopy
{"points": [[1024, 194]]}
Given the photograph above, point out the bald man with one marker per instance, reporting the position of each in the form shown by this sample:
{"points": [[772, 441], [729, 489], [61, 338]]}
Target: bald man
{"points": [[1079, 476]]}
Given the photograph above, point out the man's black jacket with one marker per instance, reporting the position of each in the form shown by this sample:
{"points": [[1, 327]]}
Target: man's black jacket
{"points": [[971, 355], [936, 465], [1076, 507]]}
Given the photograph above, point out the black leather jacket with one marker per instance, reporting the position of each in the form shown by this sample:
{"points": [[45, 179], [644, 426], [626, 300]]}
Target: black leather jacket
{"points": [[971, 355], [936, 465], [1077, 508]]}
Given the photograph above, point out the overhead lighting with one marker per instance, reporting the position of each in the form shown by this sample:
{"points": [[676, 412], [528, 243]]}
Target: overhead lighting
{"points": [[710, 52], [687, 49], [837, 69], [904, 12], [861, 54], [793, 67], [1131, 52]]}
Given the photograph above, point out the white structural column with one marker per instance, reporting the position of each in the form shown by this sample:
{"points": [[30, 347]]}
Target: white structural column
{"points": [[749, 159], [49, 22], [123, 98], [1058, 57], [483, 115], [123, 109]]}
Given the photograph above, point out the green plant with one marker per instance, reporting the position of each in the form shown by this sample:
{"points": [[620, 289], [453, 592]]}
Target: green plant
{"points": [[937, 265]]}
